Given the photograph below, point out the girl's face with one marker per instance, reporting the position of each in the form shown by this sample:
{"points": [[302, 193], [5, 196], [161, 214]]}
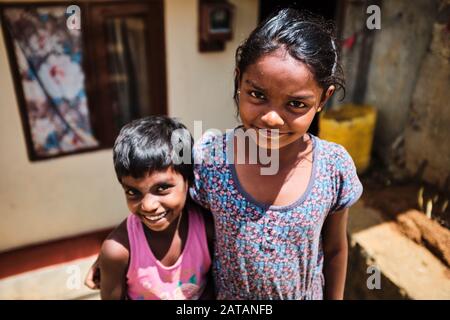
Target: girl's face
{"points": [[279, 92], [157, 198]]}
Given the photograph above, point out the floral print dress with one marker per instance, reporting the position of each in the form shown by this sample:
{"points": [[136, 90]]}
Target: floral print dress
{"points": [[270, 252]]}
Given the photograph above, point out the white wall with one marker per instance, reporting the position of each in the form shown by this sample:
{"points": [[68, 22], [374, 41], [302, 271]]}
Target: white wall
{"points": [[46, 200], [201, 84], [52, 198]]}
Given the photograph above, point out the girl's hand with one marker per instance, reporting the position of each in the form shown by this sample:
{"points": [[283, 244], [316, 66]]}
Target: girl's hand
{"points": [[92, 280]]}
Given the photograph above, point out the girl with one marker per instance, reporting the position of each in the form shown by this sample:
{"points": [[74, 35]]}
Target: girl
{"points": [[161, 250], [280, 236]]}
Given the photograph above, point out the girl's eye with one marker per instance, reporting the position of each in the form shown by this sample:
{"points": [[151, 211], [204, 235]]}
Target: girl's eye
{"points": [[257, 95], [297, 104], [131, 193], [162, 188]]}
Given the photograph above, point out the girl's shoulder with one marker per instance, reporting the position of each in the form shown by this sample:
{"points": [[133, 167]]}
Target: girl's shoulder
{"points": [[338, 164], [205, 215], [208, 222], [209, 147], [210, 137], [333, 153], [116, 248], [113, 263]]}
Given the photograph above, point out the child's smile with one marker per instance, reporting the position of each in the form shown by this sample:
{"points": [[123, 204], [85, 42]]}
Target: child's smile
{"points": [[155, 217]]}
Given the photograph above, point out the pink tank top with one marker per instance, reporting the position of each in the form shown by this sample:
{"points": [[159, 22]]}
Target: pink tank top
{"points": [[149, 279]]}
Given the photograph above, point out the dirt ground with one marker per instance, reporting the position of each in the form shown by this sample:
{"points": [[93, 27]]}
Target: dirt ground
{"points": [[406, 202]]}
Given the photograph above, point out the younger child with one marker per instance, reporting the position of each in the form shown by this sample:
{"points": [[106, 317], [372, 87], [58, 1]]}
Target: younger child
{"points": [[161, 251]]}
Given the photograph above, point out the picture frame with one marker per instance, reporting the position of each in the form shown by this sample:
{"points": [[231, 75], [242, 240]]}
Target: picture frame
{"points": [[46, 62], [215, 24]]}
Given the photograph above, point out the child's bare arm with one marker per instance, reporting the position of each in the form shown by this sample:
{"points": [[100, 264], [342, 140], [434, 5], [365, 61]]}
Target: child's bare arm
{"points": [[120, 235], [113, 263], [92, 280], [334, 236]]}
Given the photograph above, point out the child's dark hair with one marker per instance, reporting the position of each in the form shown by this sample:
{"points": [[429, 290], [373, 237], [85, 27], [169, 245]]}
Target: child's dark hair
{"points": [[306, 37], [146, 145]]}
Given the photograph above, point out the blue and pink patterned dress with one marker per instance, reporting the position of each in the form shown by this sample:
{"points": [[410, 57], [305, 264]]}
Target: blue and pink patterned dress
{"points": [[271, 252]]}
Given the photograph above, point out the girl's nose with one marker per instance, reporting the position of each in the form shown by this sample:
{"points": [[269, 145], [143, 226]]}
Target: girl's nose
{"points": [[272, 119], [149, 203]]}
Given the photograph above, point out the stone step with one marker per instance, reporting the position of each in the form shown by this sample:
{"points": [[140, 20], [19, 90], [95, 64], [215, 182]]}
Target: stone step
{"points": [[407, 269], [57, 282]]}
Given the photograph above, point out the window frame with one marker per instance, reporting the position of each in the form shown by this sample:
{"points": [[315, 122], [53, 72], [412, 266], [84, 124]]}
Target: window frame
{"points": [[95, 82]]}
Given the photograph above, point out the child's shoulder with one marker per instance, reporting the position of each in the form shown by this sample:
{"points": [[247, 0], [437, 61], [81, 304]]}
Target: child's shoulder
{"points": [[211, 136], [116, 247], [208, 221], [210, 148], [334, 157], [204, 213], [333, 152], [209, 141]]}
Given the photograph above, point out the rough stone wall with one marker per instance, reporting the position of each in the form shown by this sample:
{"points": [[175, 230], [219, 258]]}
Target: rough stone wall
{"points": [[390, 63], [427, 131]]}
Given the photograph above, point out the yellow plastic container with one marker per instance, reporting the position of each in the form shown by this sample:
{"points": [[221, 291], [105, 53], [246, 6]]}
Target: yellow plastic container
{"points": [[351, 126]]}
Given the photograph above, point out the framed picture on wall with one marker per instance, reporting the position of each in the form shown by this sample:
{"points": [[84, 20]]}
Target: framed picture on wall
{"points": [[46, 60]]}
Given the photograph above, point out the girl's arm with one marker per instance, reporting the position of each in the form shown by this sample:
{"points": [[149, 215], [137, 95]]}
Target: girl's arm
{"points": [[334, 237], [113, 264], [209, 292], [92, 279]]}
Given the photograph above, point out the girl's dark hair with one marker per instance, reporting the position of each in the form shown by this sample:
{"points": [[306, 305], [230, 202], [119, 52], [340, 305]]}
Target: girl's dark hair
{"points": [[146, 145], [305, 36]]}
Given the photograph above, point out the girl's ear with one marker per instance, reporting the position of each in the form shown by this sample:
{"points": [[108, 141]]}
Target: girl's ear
{"points": [[327, 94], [237, 86], [237, 78], [330, 91]]}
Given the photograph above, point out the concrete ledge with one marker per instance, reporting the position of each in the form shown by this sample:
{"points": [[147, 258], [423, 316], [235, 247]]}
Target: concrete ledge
{"points": [[408, 270], [58, 282]]}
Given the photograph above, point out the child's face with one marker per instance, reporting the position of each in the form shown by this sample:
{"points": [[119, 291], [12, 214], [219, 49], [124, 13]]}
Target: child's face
{"points": [[279, 92], [157, 198]]}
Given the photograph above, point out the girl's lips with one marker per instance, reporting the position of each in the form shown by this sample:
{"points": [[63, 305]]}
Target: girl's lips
{"points": [[156, 217], [270, 133]]}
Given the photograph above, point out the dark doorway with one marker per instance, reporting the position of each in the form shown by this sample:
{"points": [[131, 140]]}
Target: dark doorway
{"points": [[325, 8]]}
